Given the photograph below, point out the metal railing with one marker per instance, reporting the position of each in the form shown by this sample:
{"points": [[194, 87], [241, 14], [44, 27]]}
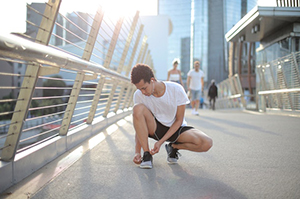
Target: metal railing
{"points": [[230, 94], [279, 84], [74, 69]]}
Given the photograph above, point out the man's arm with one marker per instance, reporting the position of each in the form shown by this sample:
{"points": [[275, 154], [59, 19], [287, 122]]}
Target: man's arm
{"points": [[178, 121], [168, 78], [188, 82], [202, 83], [180, 78]]}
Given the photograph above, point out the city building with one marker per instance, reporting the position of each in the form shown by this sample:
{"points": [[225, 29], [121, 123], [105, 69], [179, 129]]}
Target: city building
{"points": [[157, 29], [263, 35], [200, 26]]}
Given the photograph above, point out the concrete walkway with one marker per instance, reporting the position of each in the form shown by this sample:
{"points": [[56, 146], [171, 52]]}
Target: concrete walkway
{"points": [[254, 156]]}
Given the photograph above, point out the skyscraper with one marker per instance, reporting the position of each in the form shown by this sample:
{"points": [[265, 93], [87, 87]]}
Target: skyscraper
{"points": [[200, 25]]}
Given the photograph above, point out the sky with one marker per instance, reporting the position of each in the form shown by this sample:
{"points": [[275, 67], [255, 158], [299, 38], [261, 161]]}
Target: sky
{"points": [[15, 10]]}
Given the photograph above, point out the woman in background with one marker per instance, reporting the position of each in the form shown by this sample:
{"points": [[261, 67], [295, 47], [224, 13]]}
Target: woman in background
{"points": [[174, 74]]}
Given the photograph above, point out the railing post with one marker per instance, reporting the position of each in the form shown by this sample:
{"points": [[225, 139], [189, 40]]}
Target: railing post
{"points": [[127, 96], [131, 88], [113, 43], [122, 61], [232, 88], [144, 53], [296, 67], [81, 75], [263, 86], [95, 100], [297, 78], [148, 58], [137, 41], [240, 90], [28, 84], [108, 60], [143, 47], [131, 97], [284, 85], [280, 104]]}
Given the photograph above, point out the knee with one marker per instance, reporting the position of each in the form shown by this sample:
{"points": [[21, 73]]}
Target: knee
{"points": [[137, 111], [205, 144], [208, 143]]}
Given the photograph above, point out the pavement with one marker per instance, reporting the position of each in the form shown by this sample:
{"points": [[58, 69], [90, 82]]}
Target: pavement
{"points": [[254, 156]]}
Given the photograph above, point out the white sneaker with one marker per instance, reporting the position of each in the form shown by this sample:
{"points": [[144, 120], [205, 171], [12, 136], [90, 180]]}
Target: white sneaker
{"points": [[194, 112]]}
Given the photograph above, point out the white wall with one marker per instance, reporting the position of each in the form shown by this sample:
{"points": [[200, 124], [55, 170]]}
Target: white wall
{"points": [[157, 30]]}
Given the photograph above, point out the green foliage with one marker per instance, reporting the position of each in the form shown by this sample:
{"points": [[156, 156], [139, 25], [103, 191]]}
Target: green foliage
{"points": [[7, 107], [55, 84], [50, 93]]}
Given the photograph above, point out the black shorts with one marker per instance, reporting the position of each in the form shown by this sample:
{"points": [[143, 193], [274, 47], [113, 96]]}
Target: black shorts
{"points": [[161, 130]]}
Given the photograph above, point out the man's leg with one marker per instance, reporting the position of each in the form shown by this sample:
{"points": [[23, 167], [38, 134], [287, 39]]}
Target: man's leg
{"points": [[193, 140], [197, 104], [144, 125], [193, 104], [214, 102]]}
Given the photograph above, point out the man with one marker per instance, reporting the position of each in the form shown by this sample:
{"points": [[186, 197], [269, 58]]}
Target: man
{"points": [[212, 94], [195, 84], [158, 113]]}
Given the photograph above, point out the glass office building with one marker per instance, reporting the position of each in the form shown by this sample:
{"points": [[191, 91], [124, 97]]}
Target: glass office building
{"points": [[179, 12], [198, 32]]}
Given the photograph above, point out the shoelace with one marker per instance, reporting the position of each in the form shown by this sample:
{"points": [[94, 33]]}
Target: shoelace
{"points": [[146, 158]]}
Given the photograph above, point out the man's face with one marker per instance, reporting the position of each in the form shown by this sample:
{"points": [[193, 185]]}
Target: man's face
{"points": [[145, 87], [197, 66]]}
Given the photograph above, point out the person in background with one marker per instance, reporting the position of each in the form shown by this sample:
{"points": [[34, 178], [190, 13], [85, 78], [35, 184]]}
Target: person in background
{"points": [[212, 94], [195, 84], [174, 74]]}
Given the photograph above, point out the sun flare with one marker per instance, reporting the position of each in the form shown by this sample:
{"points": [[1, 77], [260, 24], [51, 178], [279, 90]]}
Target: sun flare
{"points": [[111, 8]]}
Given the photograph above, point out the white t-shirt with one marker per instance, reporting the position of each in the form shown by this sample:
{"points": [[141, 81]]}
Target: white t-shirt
{"points": [[195, 83], [164, 108]]}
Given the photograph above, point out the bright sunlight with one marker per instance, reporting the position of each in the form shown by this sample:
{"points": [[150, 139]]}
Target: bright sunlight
{"points": [[113, 8]]}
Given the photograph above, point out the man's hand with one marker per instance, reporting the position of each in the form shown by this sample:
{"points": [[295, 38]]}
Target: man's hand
{"points": [[156, 148], [137, 158]]}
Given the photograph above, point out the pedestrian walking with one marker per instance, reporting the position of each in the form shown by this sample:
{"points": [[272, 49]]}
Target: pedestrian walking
{"points": [[195, 84], [212, 94]]}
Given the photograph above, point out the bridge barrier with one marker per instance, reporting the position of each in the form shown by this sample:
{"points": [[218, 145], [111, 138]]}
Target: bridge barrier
{"points": [[63, 82], [277, 87], [278, 84], [230, 93]]}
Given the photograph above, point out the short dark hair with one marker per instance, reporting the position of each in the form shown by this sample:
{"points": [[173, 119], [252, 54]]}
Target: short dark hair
{"points": [[141, 71]]}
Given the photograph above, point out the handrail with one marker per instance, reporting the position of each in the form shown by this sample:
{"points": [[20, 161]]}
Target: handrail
{"points": [[291, 90], [14, 47]]}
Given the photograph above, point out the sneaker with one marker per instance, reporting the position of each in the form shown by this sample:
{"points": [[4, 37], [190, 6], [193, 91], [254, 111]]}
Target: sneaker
{"points": [[172, 154], [194, 112], [146, 161]]}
